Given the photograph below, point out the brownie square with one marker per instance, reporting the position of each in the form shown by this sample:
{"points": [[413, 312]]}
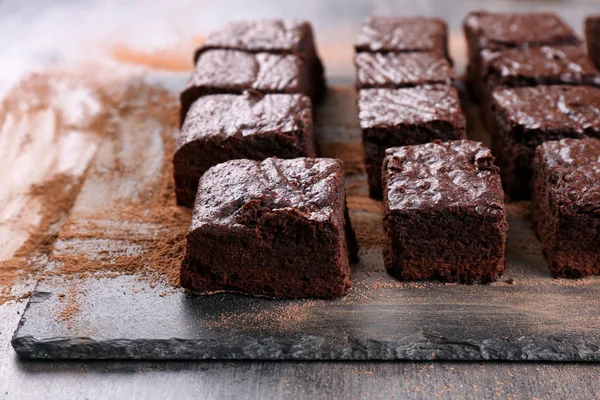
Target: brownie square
{"points": [[545, 65], [397, 70], [566, 205], [276, 228], [592, 38], [219, 128], [271, 36], [232, 71], [406, 116], [403, 34], [498, 31], [523, 118], [444, 213]]}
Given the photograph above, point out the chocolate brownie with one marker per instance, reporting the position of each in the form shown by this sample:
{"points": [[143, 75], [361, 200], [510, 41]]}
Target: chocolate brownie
{"points": [[403, 34], [271, 36], [396, 70], [399, 117], [592, 38], [523, 118], [232, 71], [276, 228], [566, 205], [498, 31], [219, 128], [444, 213], [546, 65]]}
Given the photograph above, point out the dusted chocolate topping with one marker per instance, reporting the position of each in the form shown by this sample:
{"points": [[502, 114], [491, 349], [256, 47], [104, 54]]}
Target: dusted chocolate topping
{"points": [[546, 64], [575, 165], [240, 191], [243, 115], [231, 70], [268, 35], [503, 30], [571, 108], [410, 106], [449, 174], [377, 70], [401, 34]]}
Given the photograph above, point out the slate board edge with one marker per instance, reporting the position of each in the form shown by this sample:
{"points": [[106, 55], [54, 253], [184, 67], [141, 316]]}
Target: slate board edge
{"points": [[423, 347]]}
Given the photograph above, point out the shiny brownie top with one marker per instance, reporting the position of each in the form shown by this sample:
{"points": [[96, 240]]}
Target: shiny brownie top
{"points": [[376, 70], [573, 166], [238, 70], [244, 192], [225, 115], [503, 30], [400, 34], [442, 175], [560, 64], [410, 106], [571, 110], [269, 35]]}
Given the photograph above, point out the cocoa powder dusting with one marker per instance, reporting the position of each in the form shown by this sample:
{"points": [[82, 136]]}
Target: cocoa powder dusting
{"points": [[158, 253]]}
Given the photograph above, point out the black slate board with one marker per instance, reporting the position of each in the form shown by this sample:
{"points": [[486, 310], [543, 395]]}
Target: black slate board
{"points": [[525, 316]]}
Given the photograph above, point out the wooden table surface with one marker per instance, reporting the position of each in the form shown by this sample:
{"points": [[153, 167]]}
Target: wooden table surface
{"points": [[43, 35]]}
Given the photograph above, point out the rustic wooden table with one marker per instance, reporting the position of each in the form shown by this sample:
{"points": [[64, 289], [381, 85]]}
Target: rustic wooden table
{"points": [[142, 37]]}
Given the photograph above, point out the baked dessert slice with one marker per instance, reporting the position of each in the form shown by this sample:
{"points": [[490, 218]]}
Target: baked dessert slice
{"points": [[444, 213], [523, 118], [406, 116], [275, 228], [397, 70], [274, 36], [566, 205], [379, 34], [223, 127], [233, 71], [534, 66], [499, 31]]}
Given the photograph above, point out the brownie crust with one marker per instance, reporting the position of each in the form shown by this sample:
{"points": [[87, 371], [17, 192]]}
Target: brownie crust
{"points": [[397, 70], [232, 71], [219, 128], [273, 36], [500, 31], [403, 34], [275, 228], [444, 213], [523, 118], [566, 205], [407, 116]]}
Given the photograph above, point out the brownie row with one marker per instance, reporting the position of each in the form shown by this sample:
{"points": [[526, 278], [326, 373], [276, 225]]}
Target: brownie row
{"points": [[535, 82], [540, 98], [269, 219], [404, 80], [249, 96]]}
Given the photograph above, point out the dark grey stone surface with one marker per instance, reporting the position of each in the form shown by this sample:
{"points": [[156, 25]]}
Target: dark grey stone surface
{"points": [[535, 318]]}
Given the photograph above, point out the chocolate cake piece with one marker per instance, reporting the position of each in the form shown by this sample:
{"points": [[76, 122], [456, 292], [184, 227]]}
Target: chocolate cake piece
{"points": [[592, 38], [232, 71], [276, 228], [397, 70], [271, 36], [400, 117], [444, 213], [498, 31], [523, 118], [566, 205], [545, 65], [403, 34], [223, 127]]}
